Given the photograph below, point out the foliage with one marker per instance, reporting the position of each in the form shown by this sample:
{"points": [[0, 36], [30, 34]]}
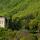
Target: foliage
{"points": [[22, 14]]}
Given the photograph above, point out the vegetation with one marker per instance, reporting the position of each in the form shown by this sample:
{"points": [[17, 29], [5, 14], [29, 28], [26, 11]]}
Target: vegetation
{"points": [[24, 15]]}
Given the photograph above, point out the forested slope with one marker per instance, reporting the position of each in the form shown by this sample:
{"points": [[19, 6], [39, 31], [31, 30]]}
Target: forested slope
{"points": [[20, 8], [26, 11], [24, 16]]}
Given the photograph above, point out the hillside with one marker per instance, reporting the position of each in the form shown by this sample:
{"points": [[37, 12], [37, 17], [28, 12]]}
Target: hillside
{"points": [[24, 15], [20, 8]]}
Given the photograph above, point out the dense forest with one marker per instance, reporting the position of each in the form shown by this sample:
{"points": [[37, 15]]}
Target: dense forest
{"points": [[24, 18]]}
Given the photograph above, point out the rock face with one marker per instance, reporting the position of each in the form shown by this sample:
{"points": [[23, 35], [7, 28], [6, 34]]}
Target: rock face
{"points": [[2, 21]]}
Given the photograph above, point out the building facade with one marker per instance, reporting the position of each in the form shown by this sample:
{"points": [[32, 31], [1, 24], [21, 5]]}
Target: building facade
{"points": [[2, 21]]}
